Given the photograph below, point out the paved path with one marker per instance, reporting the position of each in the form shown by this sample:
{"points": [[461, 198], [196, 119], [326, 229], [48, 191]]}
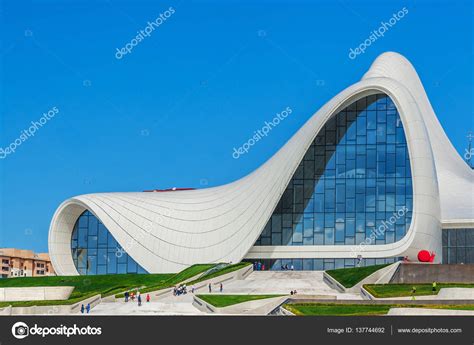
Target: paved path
{"points": [[426, 311], [282, 282], [172, 305], [456, 293], [259, 282]]}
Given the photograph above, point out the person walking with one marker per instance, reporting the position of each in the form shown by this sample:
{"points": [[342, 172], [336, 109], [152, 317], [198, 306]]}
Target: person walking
{"points": [[433, 287], [148, 297], [88, 308], [359, 260], [127, 294], [413, 292], [82, 309], [210, 288], [221, 287], [139, 299]]}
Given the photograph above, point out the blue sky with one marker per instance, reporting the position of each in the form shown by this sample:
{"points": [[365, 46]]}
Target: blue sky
{"points": [[171, 111]]}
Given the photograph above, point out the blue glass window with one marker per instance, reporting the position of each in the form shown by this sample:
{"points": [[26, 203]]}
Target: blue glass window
{"points": [[315, 264], [95, 251], [458, 246], [356, 171]]}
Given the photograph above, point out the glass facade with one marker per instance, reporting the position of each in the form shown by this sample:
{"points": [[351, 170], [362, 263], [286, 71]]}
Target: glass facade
{"points": [[458, 246], [315, 264], [354, 176], [95, 250]]}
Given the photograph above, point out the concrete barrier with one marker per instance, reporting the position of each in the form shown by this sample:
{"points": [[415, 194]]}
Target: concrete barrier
{"points": [[264, 306], [6, 310], [203, 306], [445, 296], [41, 310], [282, 311], [333, 283], [51, 309], [35, 293], [93, 301], [419, 273]]}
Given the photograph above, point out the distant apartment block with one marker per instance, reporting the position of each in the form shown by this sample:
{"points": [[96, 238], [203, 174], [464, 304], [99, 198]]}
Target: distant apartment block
{"points": [[24, 263]]}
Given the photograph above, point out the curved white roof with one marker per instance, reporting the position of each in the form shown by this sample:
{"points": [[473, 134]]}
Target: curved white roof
{"points": [[165, 232]]}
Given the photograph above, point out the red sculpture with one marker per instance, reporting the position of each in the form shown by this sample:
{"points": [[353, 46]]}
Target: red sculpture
{"points": [[426, 256]]}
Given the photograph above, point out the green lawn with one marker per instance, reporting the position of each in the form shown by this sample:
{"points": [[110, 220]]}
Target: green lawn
{"points": [[84, 286], [328, 309], [307, 309], [404, 290], [106, 285], [221, 301], [349, 277]]}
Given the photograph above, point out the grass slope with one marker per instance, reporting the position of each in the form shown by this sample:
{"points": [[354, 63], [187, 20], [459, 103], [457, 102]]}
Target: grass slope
{"points": [[315, 309], [106, 285], [84, 286], [404, 290], [175, 279], [349, 277], [221, 301], [308, 309]]}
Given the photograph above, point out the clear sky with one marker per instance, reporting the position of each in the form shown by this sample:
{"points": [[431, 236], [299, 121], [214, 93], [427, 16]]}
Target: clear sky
{"points": [[170, 112]]}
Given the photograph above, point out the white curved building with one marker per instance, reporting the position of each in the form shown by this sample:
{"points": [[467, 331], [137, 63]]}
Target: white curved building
{"points": [[371, 174]]}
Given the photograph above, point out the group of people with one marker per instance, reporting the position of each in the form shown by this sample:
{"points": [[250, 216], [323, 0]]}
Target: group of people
{"points": [[293, 292], [287, 268], [258, 266], [181, 290], [131, 296], [87, 308]]}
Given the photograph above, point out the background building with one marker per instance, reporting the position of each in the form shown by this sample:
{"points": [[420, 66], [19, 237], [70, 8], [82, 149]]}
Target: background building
{"points": [[24, 263], [369, 178]]}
